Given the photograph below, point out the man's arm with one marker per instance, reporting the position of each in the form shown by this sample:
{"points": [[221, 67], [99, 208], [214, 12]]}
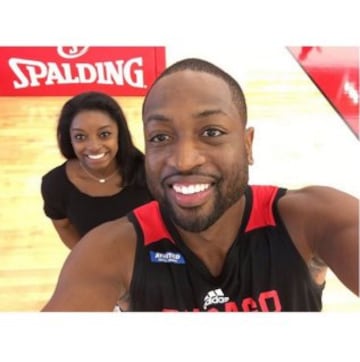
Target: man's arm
{"points": [[324, 222], [338, 240], [98, 270]]}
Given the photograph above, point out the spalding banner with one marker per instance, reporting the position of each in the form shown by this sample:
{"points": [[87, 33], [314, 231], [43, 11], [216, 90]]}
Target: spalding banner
{"points": [[68, 70]]}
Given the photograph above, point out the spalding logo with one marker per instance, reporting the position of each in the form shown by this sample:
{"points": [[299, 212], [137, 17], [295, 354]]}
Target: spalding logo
{"points": [[71, 52]]}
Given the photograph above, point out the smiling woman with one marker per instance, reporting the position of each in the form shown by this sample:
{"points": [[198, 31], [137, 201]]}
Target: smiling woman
{"points": [[103, 176]]}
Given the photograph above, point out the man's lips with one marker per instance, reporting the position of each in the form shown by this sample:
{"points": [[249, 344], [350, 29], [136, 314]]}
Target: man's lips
{"points": [[189, 191], [183, 180], [189, 196]]}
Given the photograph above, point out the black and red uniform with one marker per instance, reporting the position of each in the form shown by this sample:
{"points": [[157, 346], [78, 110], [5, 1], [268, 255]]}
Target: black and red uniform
{"points": [[263, 270]]}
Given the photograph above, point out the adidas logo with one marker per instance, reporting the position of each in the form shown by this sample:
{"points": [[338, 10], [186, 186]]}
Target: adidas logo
{"points": [[214, 297]]}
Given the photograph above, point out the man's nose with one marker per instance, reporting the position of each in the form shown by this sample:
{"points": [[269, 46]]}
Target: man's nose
{"points": [[186, 155]]}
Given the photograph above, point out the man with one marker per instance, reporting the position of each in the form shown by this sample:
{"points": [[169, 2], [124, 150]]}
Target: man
{"points": [[211, 242]]}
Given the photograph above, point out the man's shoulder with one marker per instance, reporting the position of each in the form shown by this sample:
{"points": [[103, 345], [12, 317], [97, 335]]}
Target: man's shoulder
{"points": [[312, 192], [114, 234]]}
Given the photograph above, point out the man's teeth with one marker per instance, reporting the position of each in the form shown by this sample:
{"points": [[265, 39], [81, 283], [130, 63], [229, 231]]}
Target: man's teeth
{"points": [[96, 157], [191, 189]]}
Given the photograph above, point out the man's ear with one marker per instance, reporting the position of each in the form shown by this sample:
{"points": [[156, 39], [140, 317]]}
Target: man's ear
{"points": [[249, 137]]}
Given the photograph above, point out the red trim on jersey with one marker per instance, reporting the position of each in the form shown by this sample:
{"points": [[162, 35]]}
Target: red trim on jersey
{"points": [[261, 212], [151, 223]]}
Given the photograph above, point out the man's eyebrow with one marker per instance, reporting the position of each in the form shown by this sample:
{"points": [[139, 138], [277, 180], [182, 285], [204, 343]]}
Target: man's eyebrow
{"points": [[201, 114], [208, 112], [156, 117]]}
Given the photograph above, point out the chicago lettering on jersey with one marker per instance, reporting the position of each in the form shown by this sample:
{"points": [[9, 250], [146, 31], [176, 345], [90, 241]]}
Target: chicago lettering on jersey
{"points": [[268, 301]]}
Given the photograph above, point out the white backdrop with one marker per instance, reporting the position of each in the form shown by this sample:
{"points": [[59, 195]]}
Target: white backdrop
{"points": [[293, 146]]}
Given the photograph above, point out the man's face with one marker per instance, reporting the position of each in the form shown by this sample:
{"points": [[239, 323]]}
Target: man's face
{"points": [[197, 149]]}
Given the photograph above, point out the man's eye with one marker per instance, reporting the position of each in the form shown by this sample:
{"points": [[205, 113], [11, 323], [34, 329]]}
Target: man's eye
{"points": [[212, 132], [159, 138]]}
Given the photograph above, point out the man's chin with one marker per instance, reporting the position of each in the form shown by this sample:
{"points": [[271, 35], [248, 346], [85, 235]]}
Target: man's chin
{"points": [[192, 221]]}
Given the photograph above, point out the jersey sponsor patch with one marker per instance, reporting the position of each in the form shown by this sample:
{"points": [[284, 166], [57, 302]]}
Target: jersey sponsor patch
{"points": [[168, 257]]}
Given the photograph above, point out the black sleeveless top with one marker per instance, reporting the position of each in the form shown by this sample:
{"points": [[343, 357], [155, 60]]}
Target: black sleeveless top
{"points": [[263, 270]]}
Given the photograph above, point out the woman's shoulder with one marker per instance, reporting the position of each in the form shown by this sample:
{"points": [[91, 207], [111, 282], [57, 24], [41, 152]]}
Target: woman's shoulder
{"points": [[55, 175], [56, 171]]}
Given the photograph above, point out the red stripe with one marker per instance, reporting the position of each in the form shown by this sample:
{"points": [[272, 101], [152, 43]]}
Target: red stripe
{"points": [[151, 222], [261, 212]]}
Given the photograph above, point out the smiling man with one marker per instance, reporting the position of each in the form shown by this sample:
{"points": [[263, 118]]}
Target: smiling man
{"points": [[211, 241]]}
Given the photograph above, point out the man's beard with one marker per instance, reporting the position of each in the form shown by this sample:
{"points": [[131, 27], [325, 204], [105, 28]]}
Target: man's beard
{"points": [[194, 221]]}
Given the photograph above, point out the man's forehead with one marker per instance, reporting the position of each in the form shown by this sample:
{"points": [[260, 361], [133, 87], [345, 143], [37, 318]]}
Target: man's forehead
{"points": [[189, 91], [184, 84], [185, 76]]}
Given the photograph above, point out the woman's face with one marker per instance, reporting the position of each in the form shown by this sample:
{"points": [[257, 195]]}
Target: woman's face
{"points": [[94, 137]]}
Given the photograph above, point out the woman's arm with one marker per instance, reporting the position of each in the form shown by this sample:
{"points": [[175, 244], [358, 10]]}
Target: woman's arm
{"points": [[67, 232]]}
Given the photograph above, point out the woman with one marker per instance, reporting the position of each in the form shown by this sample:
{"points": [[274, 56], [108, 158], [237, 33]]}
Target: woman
{"points": [[103, 177]]}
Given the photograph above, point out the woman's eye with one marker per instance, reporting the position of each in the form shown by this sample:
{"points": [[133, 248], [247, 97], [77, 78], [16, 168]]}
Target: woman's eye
{"points": [[79, 137], [213, 132], [105, 134]]}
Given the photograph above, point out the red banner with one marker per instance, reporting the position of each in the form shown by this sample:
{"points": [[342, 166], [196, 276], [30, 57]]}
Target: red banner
{"points": [[335, 71], [66, 71]]}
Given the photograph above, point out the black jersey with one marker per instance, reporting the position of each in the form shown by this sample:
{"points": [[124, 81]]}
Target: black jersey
{"points": [[263, 270]]}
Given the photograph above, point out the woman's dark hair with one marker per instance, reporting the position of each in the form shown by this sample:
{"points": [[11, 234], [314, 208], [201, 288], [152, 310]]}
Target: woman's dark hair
{"points": [[129, 158]]}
